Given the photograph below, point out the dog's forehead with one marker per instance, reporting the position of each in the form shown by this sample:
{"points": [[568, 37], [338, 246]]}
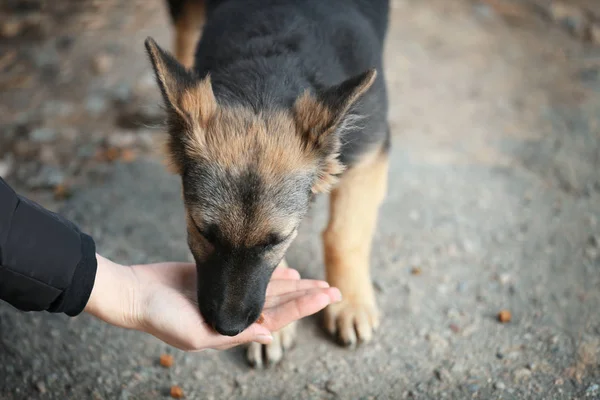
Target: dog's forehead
{"points": [[245, 200]]}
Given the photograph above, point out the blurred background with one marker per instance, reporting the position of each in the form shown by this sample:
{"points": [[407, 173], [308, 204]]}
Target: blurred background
{"points": [[494, 204]]}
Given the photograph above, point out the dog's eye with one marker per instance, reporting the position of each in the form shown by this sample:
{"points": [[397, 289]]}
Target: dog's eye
{"points": [[273, 240], [208, 232]]}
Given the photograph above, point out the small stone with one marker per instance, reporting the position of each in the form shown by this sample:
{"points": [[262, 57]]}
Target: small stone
{"points": [[522, 374], [42, 135], [41, 387], [595, 33], [499, 385], [559, 381], [442, 375], [95, 104], [570, 16], [47, 177], [122, 139], [102, 63], [504, 316], [122, 94], [592, 389], [11, 27], [416, 271], [311, 388], [504, 278], [6, 165], [454, 328], [414, 215], [48, 155], [473, 387], [334, 387]]}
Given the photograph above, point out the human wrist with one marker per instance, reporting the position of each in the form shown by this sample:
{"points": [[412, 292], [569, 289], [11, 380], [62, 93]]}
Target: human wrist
{"points": [[113, 297]]}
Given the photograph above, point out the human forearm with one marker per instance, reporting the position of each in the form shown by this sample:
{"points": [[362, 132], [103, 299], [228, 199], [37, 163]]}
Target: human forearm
{"points": [[46, 263]]}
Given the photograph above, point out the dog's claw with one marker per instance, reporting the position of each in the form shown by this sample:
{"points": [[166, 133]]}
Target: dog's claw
{"points": [[262, 356], [352, 323]]}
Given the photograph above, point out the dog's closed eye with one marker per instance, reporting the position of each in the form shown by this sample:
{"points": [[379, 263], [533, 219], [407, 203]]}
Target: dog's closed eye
{"points": [[273, 240], [208, 232]]}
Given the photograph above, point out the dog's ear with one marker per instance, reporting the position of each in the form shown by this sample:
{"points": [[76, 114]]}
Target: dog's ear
{"points": [[321, 118], [192, 100], [190, 103]]}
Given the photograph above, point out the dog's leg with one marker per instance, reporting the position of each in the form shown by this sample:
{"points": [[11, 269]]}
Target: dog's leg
{"points": [[259, 355], [354, 207], [188, 23]]}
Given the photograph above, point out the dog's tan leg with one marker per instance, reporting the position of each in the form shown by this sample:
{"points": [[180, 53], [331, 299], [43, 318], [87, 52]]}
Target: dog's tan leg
{"points": [[354, 207], [259, 355], [187, 31]]}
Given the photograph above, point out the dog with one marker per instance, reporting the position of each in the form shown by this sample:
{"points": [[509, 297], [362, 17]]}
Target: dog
{"points": [[268, 103]]}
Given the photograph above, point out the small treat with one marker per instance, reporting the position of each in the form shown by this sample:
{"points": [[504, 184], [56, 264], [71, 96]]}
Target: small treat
{"points": [[128, 155], [504, 316], [261, 319], [176, 392], [166, 360]]}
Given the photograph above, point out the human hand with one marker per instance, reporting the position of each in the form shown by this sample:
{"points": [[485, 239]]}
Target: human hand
{"points": [[161, 299]]}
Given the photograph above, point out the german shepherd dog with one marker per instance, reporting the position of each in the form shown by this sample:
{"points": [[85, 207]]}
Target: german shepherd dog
{"points": [[268, 103]]}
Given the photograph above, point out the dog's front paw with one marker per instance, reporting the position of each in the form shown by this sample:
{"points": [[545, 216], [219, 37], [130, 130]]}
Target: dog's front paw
{"points": [[351, 321], [259, 355]]}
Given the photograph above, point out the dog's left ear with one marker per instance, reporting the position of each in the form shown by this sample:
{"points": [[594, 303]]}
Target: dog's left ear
{"points": [[320, 120]]}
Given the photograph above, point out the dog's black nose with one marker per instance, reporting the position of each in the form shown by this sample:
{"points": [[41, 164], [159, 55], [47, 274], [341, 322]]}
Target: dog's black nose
{"points": [[232, 325]]}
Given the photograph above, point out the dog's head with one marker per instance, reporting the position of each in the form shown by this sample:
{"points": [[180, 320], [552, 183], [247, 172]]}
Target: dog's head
{"points": [[247, 181]]}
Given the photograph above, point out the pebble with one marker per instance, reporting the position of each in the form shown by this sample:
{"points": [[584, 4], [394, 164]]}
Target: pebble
{"points": [[442, 375], [592, 389], [42, 135], [522, 374], [499, 385], [11, 27], [334, 387], [122, 139], [102, 63], [595, 33], [95, 104], [473, 387], [47, 177], [6, 165], [41, 387], [570, 16]]}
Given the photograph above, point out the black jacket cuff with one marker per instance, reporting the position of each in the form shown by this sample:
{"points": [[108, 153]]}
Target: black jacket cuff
{"points": [[74, 299]]}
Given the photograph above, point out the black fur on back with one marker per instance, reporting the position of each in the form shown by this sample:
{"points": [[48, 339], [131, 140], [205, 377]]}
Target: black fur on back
{"points": [[264, 53]]}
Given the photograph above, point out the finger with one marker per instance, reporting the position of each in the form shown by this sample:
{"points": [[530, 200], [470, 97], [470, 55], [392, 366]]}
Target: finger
{"points": [[299, 307], [281, 286], [285, 273]]}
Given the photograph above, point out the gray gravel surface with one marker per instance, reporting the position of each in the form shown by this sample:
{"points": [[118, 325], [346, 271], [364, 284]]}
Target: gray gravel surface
{"points": [[494, 197]]}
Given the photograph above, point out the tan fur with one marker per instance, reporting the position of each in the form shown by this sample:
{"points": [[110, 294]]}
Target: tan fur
{"points": [[187, 31], [318, 123], [354, 206]]}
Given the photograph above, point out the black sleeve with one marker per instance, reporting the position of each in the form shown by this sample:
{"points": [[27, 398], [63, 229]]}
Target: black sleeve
{"points": [[46, 262]]}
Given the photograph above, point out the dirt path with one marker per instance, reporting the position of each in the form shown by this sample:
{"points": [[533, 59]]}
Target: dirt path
{"points": [[494, 198]]}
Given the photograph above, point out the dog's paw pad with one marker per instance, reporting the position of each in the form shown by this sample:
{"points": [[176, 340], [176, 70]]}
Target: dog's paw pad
{"points": [[351, 322], [260, 356]]}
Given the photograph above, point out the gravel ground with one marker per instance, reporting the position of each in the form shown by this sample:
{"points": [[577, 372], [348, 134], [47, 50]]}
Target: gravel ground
{"points": [[494, 204]]}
